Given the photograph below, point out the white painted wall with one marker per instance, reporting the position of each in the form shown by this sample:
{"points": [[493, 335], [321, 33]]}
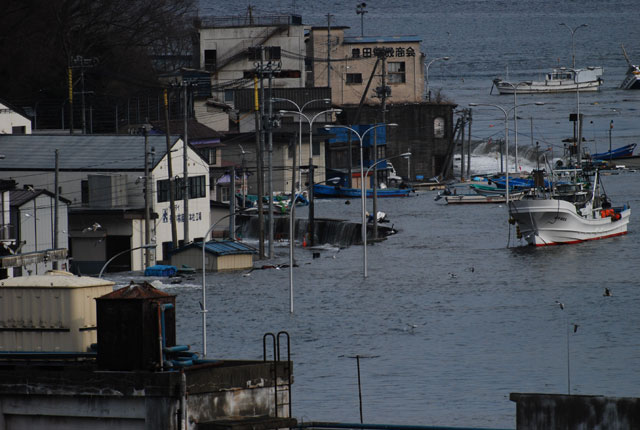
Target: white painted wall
{"points": [[10, 119]]}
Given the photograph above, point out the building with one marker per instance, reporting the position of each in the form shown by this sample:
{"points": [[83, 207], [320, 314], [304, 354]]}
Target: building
{"points": [[103, 177], [27, 235], [13, 120], [220, 255], [359, 64]]}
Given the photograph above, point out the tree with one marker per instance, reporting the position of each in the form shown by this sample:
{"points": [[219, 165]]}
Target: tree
{"points": [[41, 38]]}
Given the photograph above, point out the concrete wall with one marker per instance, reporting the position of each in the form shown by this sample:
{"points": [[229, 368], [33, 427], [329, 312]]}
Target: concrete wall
{"points": [[557, 411], [33, 398]]}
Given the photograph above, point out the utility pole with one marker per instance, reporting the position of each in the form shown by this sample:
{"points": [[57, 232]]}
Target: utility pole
{"points": [[232, 204], [79, 62], [260, 178], [172, 202], [464, 125], [329, 50], [383, 93], [270, 162], [70, 73], [55, 211], [147, 202], [185, 166], [470, 116]]}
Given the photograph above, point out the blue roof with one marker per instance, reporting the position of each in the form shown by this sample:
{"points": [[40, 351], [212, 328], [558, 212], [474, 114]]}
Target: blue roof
{"points": [[382, 39], [226, 247]]}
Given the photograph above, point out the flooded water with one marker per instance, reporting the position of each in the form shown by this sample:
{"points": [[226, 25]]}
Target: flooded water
{"points": [[453, 319]]}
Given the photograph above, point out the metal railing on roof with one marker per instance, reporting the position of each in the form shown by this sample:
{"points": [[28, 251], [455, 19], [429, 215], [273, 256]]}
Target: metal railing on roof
{"points": [[244, 21]]}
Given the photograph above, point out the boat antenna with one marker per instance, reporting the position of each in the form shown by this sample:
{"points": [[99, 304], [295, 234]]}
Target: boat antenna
{"points": [[626, 57]]}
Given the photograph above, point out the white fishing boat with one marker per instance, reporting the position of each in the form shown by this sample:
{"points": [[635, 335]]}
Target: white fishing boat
{"points": [[573, 212], [632, 78], [559, 80]]}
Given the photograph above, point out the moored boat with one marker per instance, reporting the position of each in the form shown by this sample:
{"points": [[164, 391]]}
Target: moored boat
{"points": [[622, 152], [457, 199], [559, 80], [573, 212], [632, 78], [335, 191]]}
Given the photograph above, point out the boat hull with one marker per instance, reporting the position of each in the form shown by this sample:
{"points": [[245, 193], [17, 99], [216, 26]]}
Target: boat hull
{"points": [[568, 86], [327, 192], [632, 79], [544, 222], [622, 152], [457, 199]]}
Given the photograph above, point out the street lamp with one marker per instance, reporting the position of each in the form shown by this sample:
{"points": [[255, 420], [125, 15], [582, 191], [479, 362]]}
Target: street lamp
{"points": [[300, 109], [360, 10], [506, 139], [146, 246], [362, 189], [427, 73], [515, 115], [573, 46], [366, 175]]}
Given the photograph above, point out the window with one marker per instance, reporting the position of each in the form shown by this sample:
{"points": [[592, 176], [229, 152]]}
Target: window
{"points": [[197, 188], [315, 148], [210, 60], [84, 192], [438, 127], [396, 72], [228, 95], [19, 130], [354, 78]]}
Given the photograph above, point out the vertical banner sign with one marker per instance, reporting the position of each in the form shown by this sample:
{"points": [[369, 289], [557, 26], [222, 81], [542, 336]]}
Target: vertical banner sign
{"points": [[70, 85]]}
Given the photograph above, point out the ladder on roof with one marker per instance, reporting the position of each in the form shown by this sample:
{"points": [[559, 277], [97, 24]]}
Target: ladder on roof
{"points": [[281, 401]]}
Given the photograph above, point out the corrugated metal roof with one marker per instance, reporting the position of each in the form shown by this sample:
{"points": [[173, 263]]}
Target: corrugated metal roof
{"points": [[223, 247], [55, 281], [19, 197], [78, 152], [382, 39]]}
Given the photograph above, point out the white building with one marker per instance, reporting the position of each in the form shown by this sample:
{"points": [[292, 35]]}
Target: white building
{"points": [[103, 178], [13, 120]]}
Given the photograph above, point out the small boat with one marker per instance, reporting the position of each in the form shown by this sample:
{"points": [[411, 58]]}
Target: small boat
{"points": [[632, 78], [574, 211], [488, 190], [622, 152], [322, 191], [559, 80], [456, 199]]}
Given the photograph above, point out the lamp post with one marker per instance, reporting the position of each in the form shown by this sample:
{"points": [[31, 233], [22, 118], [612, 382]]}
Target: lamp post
{"points": [[146, 246], [573, 46], [515, 116], [427, 73], [360, 10], [203, 305], [363, 194], [366, 175], [300, 110], [578, 133], [506, 138]]}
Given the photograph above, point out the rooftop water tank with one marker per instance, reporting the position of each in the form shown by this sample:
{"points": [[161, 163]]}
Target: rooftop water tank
{"points": [[55, 312], [129, 327]]}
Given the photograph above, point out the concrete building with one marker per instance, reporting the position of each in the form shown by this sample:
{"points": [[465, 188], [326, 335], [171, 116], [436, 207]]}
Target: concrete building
{"points": [[103, 178], [27, 233], [354, 60], [139, 378], [13, 120]]}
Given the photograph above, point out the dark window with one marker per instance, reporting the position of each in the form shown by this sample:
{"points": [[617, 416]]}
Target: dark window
{"points": [[19, 130], [84, 185], [228, 95], [354, 78], [396, 72], [315, 148], [210, 60], [197, 188]]}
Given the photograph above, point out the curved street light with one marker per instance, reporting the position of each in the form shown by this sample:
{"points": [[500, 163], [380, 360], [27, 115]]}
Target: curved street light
{"points": [[515, 115], [427, 73], [506, 139], [300, 110], [573, 46], [146, 246], [363, 194]]}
